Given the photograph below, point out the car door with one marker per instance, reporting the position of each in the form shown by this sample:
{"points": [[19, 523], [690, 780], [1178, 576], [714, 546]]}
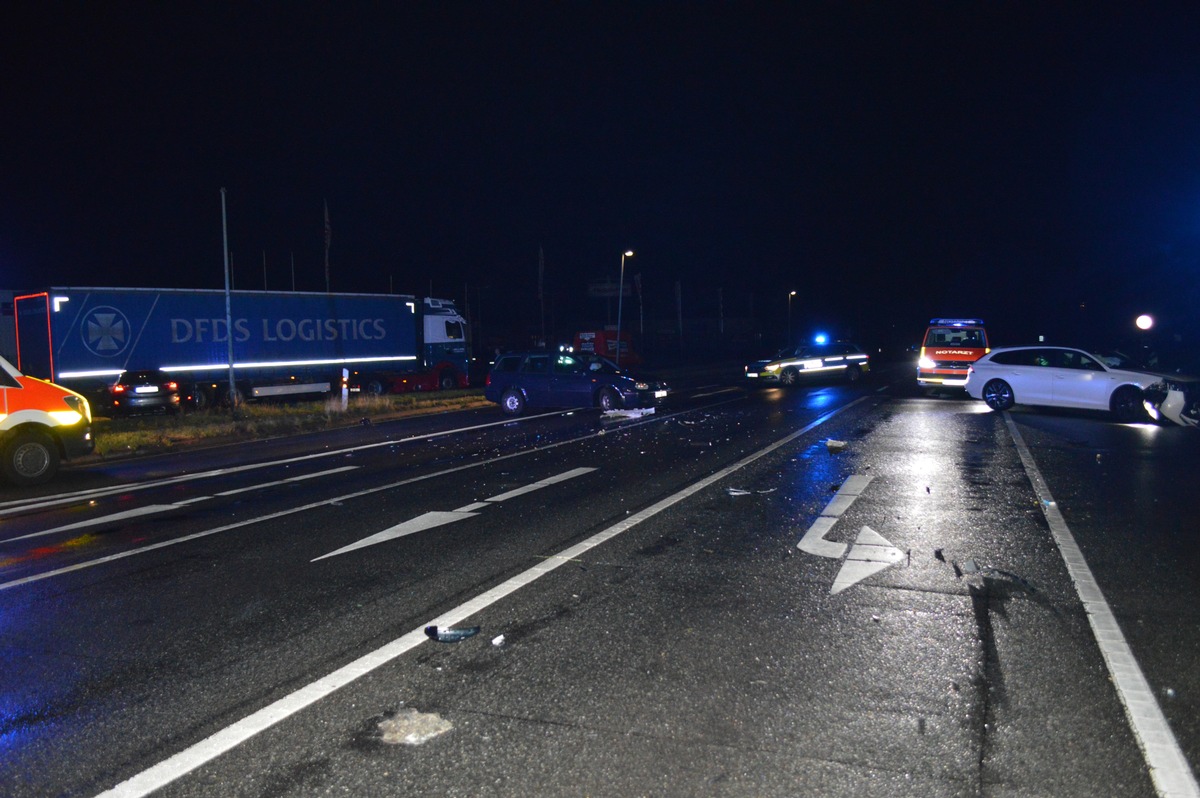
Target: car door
{"points": [[1081, 381], [1027, 371], [535, 380], [570, 381]]}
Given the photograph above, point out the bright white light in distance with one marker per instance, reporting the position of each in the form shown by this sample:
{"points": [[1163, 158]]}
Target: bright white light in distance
{"points": [[1144, 321]]}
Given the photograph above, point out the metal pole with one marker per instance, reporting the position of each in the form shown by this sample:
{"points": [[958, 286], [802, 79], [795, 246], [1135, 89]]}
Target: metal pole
{"points": [[788, 343], [228, 309], [620, 297]]}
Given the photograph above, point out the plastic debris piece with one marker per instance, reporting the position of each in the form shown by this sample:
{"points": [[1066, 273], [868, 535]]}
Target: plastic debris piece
{"points": [[498, 640], [631, 413], [835, 446], [938, 554], [410, 727], [742, 492], [443, 635]]}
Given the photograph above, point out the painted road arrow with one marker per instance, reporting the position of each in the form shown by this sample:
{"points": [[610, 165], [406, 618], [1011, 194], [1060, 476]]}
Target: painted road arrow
{"points": [[871, 552], [440, 518]]}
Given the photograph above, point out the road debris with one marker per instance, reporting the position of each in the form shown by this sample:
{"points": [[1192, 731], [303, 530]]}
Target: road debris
{"points": [[971, 567], [632, 413], [835, 446], [498, 640], [450, 635], [410, 727]]}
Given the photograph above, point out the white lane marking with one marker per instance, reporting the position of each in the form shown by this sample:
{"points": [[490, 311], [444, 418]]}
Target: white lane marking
{"points": [[563, 477], [715, 393], [230, 737], [411, 527], [434, 519], [334, 501], [25, 505], [153, 509], [869, 555], [299, 478], [814, 541], [124, 515], [1169, 769]]}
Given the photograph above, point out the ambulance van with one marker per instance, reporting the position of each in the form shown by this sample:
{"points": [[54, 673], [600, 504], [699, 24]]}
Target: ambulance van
{"points": [[41, 424], [949, 349]]}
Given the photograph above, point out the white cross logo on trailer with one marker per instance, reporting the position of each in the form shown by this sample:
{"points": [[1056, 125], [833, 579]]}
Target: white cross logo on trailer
{"points": [[871, 552]]}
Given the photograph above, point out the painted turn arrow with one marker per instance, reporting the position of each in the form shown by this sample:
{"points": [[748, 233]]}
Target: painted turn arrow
{"points": [[441, 518], [871, 552]]}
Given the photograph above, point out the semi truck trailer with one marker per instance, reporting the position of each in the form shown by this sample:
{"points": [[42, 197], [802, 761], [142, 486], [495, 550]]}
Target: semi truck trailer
{"points": [[273, 343]]}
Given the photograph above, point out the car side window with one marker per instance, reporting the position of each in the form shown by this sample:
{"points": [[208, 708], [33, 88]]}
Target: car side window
{"points": [[1045, 358], [1020, 357], [507, 364], [565, 364], [537, 364], [1078, 360]]}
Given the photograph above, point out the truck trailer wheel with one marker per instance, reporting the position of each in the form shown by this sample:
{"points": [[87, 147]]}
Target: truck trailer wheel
{"points": [[30, 458]]}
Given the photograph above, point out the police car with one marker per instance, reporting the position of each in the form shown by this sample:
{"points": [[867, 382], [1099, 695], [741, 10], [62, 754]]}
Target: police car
{"points": [[836, 361]]}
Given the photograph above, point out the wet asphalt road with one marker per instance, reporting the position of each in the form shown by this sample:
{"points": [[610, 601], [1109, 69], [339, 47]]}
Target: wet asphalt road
{"points": [[250, 621]]}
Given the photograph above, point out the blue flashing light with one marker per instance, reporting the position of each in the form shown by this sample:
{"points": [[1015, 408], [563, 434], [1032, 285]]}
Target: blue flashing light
{"points": [[820, 339], [958, 322]]}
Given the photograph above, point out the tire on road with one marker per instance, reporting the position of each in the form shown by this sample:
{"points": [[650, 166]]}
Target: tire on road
{"points": [[608, 400], [1126, 404], [30, 458], [999, 395], [513, 402]]}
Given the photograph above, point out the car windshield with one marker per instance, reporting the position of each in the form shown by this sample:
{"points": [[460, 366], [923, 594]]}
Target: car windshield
{"points": [[1117, 359], [601, 365]]}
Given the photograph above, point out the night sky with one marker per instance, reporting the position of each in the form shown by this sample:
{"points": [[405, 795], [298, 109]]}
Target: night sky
{"points": [[1037, 164]]}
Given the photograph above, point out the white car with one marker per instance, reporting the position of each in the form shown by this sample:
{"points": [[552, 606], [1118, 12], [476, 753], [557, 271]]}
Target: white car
{"points": [[1057, 376], [1176, 399]]}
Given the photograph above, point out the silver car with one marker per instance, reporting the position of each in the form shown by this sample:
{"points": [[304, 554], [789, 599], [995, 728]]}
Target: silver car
{"points": [[1057, 376]]}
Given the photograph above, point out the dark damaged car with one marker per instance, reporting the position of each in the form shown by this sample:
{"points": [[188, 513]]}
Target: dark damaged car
{"points": [[568, 379]]}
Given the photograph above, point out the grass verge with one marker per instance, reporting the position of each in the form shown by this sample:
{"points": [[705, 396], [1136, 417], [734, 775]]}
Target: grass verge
{"points": [[117, 437]]}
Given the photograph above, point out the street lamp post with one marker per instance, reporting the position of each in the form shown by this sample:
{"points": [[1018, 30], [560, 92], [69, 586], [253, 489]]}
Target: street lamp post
{"points": [[621, 296], [789, 329]]}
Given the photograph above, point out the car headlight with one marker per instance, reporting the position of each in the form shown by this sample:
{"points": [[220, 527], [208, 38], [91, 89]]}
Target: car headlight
{"points": [[771, 367], [926, 363]]}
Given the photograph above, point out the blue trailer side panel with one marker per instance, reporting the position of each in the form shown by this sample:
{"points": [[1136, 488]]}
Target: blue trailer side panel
{"points": [[103, 331]]}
